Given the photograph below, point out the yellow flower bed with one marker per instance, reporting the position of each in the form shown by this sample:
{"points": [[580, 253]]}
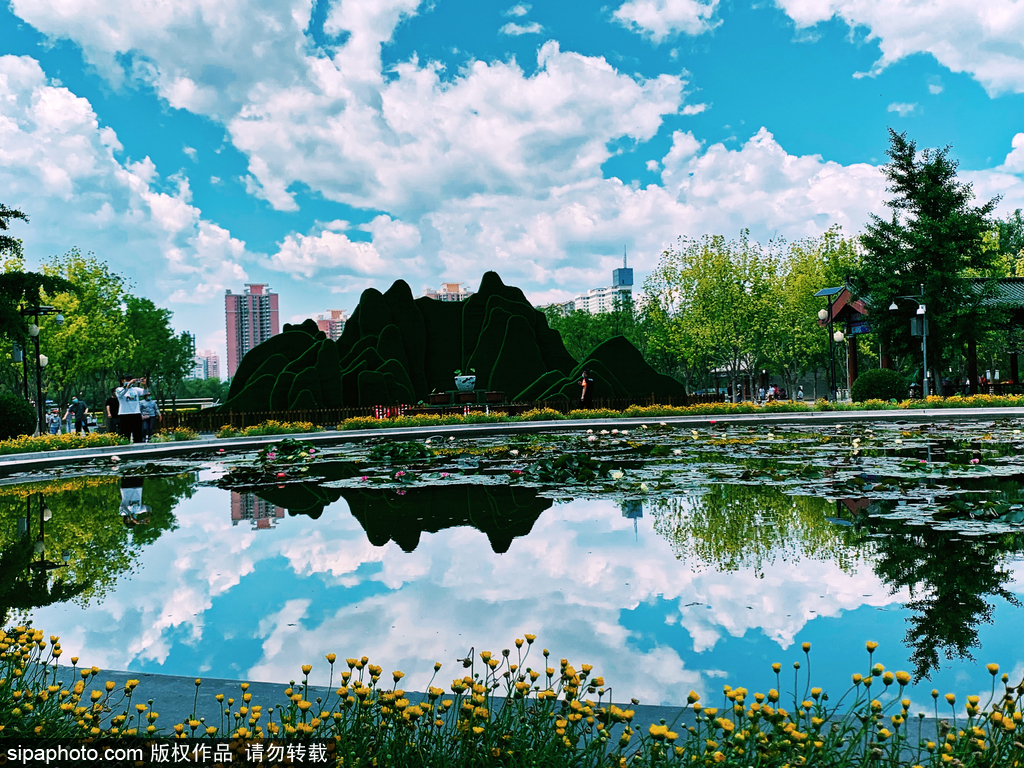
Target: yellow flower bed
{"points": [[506, 710], [270, 427], [29, 444]]}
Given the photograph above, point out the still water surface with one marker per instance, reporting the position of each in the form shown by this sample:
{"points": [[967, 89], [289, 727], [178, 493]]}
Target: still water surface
{"points": [[660, 594]]}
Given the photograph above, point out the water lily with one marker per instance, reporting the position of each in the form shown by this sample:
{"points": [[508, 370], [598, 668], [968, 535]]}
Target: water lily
{"points": [[592, 438], [643, 426], [661, 424], [517, 471], [312, 451], [624, 432], [615, 431], [604, 432], [400, 473], [677, 452], [271, 455], [513, 452], [445, 474], [643, 487], [617, 474], [975, 461], [364, 478], [115, 458], [590, 431]]}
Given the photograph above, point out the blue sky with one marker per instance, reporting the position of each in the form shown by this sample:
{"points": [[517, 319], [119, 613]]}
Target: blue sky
{"points": [[326, 146]]}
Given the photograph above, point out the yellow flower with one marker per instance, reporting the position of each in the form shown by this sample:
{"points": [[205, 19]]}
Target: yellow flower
{"points": [[307, 668], [398, 675], [806, 647], [331, 658], [871, 646], [993, 669], [951, 698], [903, 678]]}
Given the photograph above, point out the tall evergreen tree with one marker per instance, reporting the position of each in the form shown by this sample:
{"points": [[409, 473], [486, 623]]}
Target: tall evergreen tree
{"points": [[936, 237]]}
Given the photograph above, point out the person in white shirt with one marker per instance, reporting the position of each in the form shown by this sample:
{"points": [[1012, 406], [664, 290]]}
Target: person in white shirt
{"points": [[129, 397]]}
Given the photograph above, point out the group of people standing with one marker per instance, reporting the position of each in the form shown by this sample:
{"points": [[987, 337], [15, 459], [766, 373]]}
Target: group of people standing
{"points": [[131, 410]]}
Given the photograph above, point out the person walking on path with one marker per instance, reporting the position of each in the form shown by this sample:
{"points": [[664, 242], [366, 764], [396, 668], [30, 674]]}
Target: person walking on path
{"points": [[150, 414], [587, 393], [53, 421], [112, 405], [78, 410], [129, 410]]}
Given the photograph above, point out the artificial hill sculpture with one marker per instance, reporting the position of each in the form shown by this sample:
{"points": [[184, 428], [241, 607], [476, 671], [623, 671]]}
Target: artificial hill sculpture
{"points": [[396, 350]]}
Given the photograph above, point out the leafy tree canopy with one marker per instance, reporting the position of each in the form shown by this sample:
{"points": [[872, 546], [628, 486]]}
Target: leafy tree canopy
{"points": [[936, 238]]}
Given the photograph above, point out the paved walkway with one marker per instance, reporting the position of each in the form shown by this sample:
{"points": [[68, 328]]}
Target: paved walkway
{"points": [[208, 446]]}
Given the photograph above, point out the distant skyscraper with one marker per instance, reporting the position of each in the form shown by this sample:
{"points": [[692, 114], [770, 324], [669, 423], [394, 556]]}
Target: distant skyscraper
{"points": [[599, 300], [332, 322], [252, 318]]}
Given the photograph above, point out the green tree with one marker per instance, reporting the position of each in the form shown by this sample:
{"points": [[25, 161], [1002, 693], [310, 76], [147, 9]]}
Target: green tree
{"points": [[719, 295], [95, 344], [161, 356], [10, 246], [935, 238]]}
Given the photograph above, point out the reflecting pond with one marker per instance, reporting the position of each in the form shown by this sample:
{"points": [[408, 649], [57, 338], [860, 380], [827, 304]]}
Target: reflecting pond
{"points": [[670, 559]]}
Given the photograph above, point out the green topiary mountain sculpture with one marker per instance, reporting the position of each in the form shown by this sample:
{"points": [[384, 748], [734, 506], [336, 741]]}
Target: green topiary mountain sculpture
{"points": [[396, 349]]}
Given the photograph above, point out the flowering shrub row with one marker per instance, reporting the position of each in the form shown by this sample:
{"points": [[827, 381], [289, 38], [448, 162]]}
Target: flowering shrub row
{"points": [[270, 427], [30, 444], [505, 711], [174, 435]]}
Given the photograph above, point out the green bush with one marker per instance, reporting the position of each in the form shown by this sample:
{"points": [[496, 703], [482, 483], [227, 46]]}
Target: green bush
{"points": [[16, 416], [879, 384]]}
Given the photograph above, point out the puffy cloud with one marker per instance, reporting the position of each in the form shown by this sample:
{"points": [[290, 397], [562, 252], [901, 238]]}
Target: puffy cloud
{"points": [[985, 40], [200, 55], [520, 9], [1014, 162], [59, 166], [308, 255], [419, 140], [532, 28], [661, 19], [901, 108]]}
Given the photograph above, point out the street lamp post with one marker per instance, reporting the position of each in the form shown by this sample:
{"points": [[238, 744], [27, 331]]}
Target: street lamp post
{"points": [[41, 360], [921, 310], [831, 294]]}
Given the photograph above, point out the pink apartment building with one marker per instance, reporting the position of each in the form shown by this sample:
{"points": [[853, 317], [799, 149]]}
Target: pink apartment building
{"points": [[252, 318]]}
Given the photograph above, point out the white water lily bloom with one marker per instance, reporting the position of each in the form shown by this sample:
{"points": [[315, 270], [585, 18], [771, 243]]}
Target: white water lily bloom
{"points": [[661, 423], [644, 426], [615, 431], [604, 431], [695, 434], [590, 431], [617, 474], [643, 487], [513, 452], [427, 442], [898, 441], [624, 432], [450, 439], [592, 438], [677, 452]]}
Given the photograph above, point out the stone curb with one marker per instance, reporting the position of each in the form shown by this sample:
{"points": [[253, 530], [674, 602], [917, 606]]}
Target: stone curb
{"points": [[22, 462]]}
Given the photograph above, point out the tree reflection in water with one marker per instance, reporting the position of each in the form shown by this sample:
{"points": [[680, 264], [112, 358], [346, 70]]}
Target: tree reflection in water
{"points": [[952, 578], [730, 527], [85, 527]]}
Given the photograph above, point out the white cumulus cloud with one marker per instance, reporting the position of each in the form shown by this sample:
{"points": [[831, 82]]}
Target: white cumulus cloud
{"points": [[902, 108], [532, 28], [983, 39], [661, 19]]}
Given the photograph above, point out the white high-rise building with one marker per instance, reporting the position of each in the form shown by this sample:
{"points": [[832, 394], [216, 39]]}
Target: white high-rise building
{"points": [[596, 301]]}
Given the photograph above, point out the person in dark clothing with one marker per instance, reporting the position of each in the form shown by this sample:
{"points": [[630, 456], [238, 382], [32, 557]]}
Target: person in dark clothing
{"points": [[78, 410], [112, 406], [587, 393]]}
